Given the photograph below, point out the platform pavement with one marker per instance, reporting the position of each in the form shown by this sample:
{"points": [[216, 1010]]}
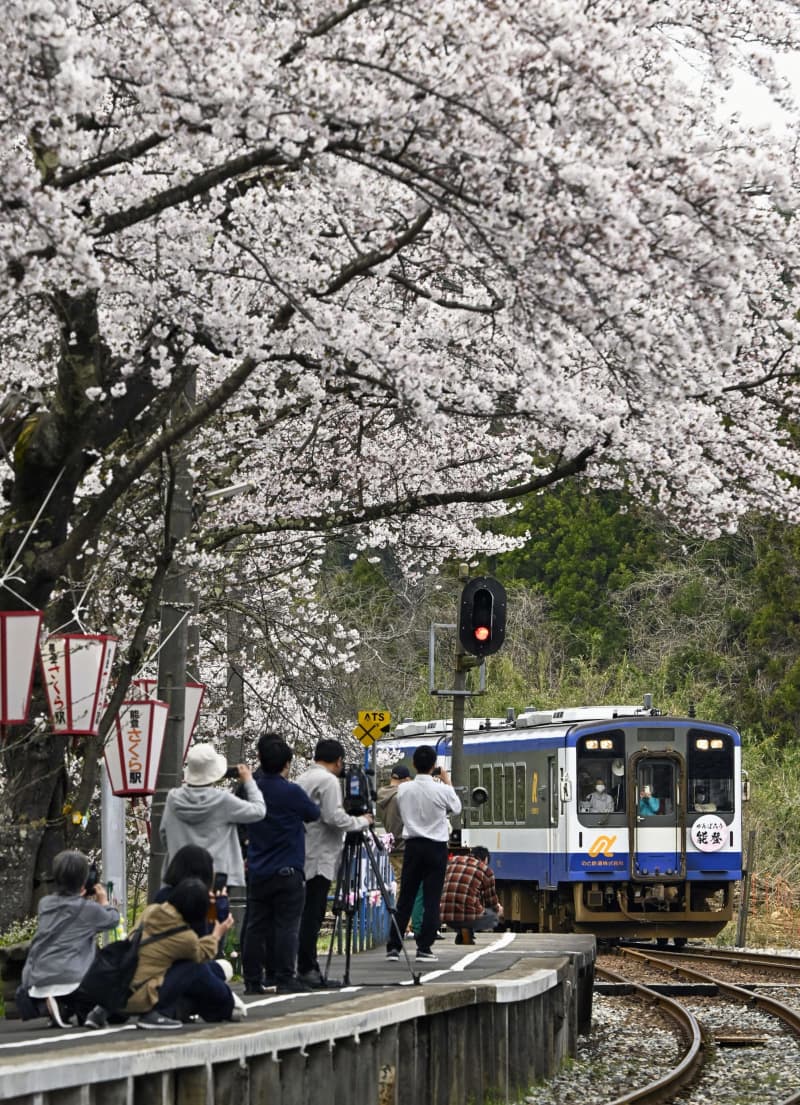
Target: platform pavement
{"points": [[492, 955]]}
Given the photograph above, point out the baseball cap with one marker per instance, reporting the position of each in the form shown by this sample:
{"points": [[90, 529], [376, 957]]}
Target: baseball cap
{"points": [[401, 772]]}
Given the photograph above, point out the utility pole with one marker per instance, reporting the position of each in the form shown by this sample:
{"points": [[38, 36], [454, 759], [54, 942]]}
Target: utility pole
{"points": [[176, 608]]}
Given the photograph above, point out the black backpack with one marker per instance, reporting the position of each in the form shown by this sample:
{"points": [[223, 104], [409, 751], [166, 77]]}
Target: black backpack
{"points": [[108, 980]]}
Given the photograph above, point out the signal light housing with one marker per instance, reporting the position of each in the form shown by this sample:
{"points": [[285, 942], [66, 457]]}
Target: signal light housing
{"points": [[482, 616]]}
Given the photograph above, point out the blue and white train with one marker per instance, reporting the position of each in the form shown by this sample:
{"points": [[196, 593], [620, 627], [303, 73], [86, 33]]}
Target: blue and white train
{"points": [[614, 820]]}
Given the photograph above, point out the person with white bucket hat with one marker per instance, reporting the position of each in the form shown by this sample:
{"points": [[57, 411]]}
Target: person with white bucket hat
{"points": [[201, 813]]}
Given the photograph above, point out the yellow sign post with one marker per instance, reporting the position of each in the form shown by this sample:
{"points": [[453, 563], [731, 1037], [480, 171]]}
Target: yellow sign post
{"points": [[372, 724]]}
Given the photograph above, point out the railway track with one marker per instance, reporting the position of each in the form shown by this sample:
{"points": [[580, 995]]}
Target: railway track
{"points": [[706, 1068], [685, 1071]]}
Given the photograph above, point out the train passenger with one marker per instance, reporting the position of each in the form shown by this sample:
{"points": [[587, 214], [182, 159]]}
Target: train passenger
{"points": [[701, 803], [69, 920], [469, 897], [599, 801], [648, 803], [424, 805]]}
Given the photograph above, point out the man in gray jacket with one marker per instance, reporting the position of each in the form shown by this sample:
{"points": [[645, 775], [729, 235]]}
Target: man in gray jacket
{"points": [[200, 813], [324, 841]]}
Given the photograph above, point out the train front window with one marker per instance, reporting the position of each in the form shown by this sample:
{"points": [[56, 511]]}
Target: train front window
{"points": [[656, 784], [710, 772], [601, 777]]}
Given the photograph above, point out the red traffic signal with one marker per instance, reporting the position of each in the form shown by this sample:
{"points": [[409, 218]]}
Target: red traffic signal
{"points": [[482, 616]]}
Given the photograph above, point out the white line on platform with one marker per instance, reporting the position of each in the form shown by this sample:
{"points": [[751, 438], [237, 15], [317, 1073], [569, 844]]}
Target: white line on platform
{"points": [[302, 994], [79, 1034], [462, 964], [497, 946]]}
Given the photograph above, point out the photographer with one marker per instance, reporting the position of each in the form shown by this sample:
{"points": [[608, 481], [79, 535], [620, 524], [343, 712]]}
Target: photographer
{"points": [[64, 945], [424, 805], [275, 871], [200, 813], [324, 841]]}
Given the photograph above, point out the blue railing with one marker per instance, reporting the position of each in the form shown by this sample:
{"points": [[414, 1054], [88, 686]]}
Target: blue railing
{"points": [[371, 918]]}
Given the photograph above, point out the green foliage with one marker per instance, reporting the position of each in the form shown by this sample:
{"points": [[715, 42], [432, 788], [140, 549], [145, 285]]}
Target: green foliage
{"points": [[581, 547]]}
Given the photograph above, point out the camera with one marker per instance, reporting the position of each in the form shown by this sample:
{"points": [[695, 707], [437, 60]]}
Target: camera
{"points": [[232, 772], [436, 771], [356, 799]]}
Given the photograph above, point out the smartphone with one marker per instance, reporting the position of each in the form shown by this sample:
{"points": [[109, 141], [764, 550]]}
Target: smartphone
{"points": [[91, 880], [232, 772], [220, 881], [223, 907]]}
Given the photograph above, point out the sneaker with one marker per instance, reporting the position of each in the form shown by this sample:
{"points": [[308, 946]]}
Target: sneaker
{"points": [[154, 1019], [58, 1018], [96, 1018], [393, 953], [426, 957]]}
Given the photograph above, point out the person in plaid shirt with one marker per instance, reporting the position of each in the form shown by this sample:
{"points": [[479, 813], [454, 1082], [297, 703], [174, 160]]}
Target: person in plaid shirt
{"points": [[469, 898]]}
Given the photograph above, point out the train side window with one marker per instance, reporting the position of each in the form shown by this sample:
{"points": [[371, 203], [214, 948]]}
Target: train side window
{"points": [[497, 794], [508, 812], [520, 793], [486, 808], [473, 812]]}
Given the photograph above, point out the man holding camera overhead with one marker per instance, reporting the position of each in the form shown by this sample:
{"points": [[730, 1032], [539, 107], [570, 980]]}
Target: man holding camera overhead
{"points": [[324, 842], [424, 805], [200, 813]]}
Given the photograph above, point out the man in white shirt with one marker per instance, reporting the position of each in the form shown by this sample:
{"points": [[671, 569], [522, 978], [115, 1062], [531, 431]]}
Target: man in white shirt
{"points": [[324, 842], [424, 805]]}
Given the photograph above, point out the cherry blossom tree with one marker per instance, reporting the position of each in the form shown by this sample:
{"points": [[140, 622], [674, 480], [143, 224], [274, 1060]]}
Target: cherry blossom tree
{"points": [[385, 266]]}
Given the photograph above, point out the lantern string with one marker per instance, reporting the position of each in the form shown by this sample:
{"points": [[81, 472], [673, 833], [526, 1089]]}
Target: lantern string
{"points": [[79, 605], [16, 594], [7, 575], [153, 655]]}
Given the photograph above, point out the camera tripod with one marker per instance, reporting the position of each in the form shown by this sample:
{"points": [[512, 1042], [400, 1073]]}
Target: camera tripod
{"points": [[345, 898]]}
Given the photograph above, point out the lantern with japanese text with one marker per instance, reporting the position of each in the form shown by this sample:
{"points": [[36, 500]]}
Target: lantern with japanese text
{"points": [[194, 692], [19, 637], [133, 754], [76, 669]]}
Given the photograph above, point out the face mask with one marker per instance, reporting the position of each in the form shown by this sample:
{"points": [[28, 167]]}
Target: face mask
{"points": [[599, 788]]}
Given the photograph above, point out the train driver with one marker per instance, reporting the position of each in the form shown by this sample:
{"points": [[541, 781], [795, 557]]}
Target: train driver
{"points": [[599, 801]]}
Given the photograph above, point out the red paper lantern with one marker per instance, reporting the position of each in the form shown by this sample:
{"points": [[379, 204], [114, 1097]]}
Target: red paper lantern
{"points": [[19, 638], [194, 693], [132, 756], [76, 669]]}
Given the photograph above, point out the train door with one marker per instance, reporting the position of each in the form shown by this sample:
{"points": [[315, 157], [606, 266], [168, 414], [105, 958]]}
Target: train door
{"points": [[658, 823], [553, 803]]}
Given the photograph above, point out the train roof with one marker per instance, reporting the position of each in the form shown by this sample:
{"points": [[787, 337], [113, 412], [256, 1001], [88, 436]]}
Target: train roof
{"points": [[544, 724]]}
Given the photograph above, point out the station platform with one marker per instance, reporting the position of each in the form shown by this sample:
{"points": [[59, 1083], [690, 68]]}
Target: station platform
{"points": [[491, 1017]]}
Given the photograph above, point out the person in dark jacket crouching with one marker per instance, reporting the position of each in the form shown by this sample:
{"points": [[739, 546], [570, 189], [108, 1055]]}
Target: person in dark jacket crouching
{"points": [[275, 880]]}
